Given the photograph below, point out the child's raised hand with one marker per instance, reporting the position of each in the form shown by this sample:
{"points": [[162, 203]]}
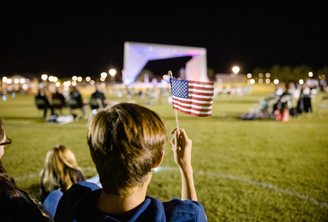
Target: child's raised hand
{"points": [[181, 146]]}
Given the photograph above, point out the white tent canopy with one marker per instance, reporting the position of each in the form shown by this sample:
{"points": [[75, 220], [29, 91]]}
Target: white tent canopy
{"points": [[136, 56]]}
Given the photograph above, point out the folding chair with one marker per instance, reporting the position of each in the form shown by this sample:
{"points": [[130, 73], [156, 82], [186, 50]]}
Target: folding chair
{"points": [[40, 105], [57, 104], [96, 103]]}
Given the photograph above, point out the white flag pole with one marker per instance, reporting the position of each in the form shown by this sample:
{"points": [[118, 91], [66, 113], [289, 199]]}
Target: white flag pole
{"points": [[175, 111]]}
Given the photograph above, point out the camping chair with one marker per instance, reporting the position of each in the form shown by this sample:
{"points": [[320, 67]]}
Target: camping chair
{"points": [[57, 104], [96, 103], [40, 105], [322, 105]]}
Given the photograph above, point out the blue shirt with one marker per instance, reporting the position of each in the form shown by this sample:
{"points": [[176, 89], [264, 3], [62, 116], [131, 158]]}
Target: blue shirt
{"points": [[79, 204]]}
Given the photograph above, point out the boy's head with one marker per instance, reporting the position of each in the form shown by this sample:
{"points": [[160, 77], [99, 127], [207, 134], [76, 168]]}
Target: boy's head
{"points": [[125, 143]]}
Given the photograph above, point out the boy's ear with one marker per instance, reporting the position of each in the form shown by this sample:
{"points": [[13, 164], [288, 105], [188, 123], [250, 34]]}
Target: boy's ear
{"points": [[159, 160]]}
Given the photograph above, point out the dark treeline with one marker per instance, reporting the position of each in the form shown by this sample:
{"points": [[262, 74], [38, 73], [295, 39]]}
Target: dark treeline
{"points": [[291, 74]]}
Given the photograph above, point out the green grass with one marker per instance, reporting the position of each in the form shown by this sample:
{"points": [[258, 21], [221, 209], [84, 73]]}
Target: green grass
{"points": [[259, 170]]}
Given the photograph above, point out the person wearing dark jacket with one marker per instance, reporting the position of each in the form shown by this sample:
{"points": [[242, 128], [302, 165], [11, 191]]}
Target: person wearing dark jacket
{"points": [[126, 144]]}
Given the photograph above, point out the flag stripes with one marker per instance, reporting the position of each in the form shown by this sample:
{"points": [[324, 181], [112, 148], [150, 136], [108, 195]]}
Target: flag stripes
{"points": [[192, 97]]}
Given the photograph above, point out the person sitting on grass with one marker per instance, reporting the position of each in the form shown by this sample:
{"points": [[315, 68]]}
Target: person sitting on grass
{"points": [[60, 171], [127, 142]]}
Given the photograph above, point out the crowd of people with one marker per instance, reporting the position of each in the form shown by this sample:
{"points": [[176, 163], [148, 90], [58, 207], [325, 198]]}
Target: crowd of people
{"points": [[287, 103], [125, 161], [74, 101]]}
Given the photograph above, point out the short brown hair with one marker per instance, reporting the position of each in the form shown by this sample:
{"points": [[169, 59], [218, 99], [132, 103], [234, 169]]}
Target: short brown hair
{"points": [[125, 143]]}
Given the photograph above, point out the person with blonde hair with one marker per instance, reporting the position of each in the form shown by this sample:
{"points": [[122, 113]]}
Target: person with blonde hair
{"points": [[126, 143], [60, 171]]}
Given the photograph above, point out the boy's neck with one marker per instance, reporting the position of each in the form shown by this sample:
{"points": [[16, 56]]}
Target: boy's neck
{"points": [[115, 204]]}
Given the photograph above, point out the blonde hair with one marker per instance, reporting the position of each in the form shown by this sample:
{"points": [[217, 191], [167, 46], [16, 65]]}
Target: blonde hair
{"points": [[56, 171]]}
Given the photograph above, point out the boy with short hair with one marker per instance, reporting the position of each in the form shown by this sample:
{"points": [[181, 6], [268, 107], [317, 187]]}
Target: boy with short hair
{"points": [[126, 143]]}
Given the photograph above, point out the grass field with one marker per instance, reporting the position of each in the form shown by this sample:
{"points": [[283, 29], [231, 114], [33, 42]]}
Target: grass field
{"points": [[259, 170]]}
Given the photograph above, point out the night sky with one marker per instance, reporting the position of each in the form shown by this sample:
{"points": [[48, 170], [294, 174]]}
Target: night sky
{"points": [[66, 38]]}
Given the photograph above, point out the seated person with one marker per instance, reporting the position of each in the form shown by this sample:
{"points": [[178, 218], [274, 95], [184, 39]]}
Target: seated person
{"points": [[45, 103], [60, 171], [126, 144], [61, 98], [98, 95], [282, 114], [75, 95]]}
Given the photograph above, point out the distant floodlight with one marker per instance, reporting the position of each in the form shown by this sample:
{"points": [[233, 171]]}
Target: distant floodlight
{"points": [[92, 82], [4, 79], [44, 77], [267, 81], [260, 81], [276, 81], [103, 75], [22, 81], [112, 72], [79, 79], [310, 74], [16, 81], [57, 84], [267, 75], [249, 75], [301, 81], [24, 86], [252, 81], [73, 83], [74, 78], [260, 75], [88, 79], [235, 69], [9, 81]]}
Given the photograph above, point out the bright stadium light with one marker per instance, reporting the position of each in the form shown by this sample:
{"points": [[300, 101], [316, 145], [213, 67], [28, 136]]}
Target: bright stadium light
{"points": [[310, 74], [4, 79], [276, 81], [301, 81], [235, 69], [44, 77]]}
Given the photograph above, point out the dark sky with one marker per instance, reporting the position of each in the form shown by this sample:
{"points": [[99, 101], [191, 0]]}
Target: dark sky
{"points": [[66, 38]]}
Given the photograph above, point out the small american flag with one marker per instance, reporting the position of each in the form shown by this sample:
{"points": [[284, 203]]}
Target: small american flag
{"points": [[192, 97]]}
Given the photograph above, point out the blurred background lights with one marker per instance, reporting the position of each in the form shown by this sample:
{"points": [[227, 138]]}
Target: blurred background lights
{"points": [[260, 81], [24, 86], [252, 81], [57, 84], [4, 79], [4, 98], [102, 79], [74, 78], [79, 79], [9, 81], [260, 75], [103, 75], [235, 69], [112, 72], [119, 94], [267, 75], [16, 81], [249, 75], [267, 81], [44, 77], [88, 79], [276, 81], [73, 83], [92, 82], [310, 74], [301, 81], [22, 81]]}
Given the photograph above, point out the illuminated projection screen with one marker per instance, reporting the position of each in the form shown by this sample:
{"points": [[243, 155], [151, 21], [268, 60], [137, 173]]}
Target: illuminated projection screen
{"points": [[136, 56]]}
